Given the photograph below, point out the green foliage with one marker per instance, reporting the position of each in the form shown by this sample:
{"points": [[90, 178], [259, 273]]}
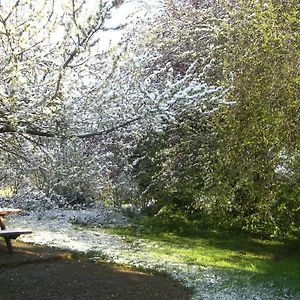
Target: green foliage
{"points": [[171, 220], [171, 166], [237, 169], [259, 135]]}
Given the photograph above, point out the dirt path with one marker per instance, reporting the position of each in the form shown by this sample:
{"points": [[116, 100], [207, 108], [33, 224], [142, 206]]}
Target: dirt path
{"points": [[35, 272]]}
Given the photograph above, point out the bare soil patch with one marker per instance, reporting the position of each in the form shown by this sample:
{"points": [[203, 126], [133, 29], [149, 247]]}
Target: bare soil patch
{"points": [[35, 272]]}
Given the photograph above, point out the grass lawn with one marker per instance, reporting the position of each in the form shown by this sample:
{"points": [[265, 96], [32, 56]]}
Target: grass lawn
{"points": [[244, 260]]}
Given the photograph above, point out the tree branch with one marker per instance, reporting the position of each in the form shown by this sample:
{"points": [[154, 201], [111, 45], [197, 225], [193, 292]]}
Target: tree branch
{"points": [[49, 134], [30, 131], [106, 131]]}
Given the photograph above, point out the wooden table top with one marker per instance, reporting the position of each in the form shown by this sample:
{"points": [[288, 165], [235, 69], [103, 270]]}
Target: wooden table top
{"points": [[8, 211]]}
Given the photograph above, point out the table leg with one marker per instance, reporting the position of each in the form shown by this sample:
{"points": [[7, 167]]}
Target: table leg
{"points": [[7, 240]]}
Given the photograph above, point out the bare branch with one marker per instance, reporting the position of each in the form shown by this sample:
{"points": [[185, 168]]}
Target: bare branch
{"points": [[30, 131], [106, 131], [38, 132], [11, 11]]}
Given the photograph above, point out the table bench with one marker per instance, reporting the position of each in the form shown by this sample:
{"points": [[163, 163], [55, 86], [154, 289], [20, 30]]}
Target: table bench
{"points": [[9, 234]]}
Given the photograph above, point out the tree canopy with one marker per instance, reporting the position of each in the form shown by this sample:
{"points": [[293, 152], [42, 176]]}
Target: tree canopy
{"points": [[196, 110]]}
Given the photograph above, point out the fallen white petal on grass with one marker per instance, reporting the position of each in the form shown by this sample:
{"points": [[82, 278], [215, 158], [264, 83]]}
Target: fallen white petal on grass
{"points": [[205, 282]]}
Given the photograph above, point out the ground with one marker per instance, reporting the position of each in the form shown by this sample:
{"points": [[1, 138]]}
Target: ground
{"points": [[35, 272], [212, 266]]}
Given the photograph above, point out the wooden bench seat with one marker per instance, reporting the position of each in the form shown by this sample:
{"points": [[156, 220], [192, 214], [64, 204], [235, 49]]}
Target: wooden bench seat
{"points": [[9, 234], [14, 233]]}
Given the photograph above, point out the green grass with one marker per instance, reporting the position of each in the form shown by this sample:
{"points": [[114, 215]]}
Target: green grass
{"points": [[243, 259]]}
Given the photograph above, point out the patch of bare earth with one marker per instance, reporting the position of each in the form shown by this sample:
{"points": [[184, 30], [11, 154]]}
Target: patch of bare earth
{"points": [[35, 272]]}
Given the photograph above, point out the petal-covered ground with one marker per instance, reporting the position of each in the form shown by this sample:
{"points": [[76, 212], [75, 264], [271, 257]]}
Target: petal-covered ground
{"points": [[56, 229]]}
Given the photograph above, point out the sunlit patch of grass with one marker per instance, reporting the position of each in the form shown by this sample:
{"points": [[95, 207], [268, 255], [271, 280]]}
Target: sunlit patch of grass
{"points": [[242, 258]]}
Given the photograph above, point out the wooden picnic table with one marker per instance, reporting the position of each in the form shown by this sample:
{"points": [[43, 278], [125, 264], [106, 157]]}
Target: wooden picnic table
{"points": [[8, 211], [10, 234]]}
